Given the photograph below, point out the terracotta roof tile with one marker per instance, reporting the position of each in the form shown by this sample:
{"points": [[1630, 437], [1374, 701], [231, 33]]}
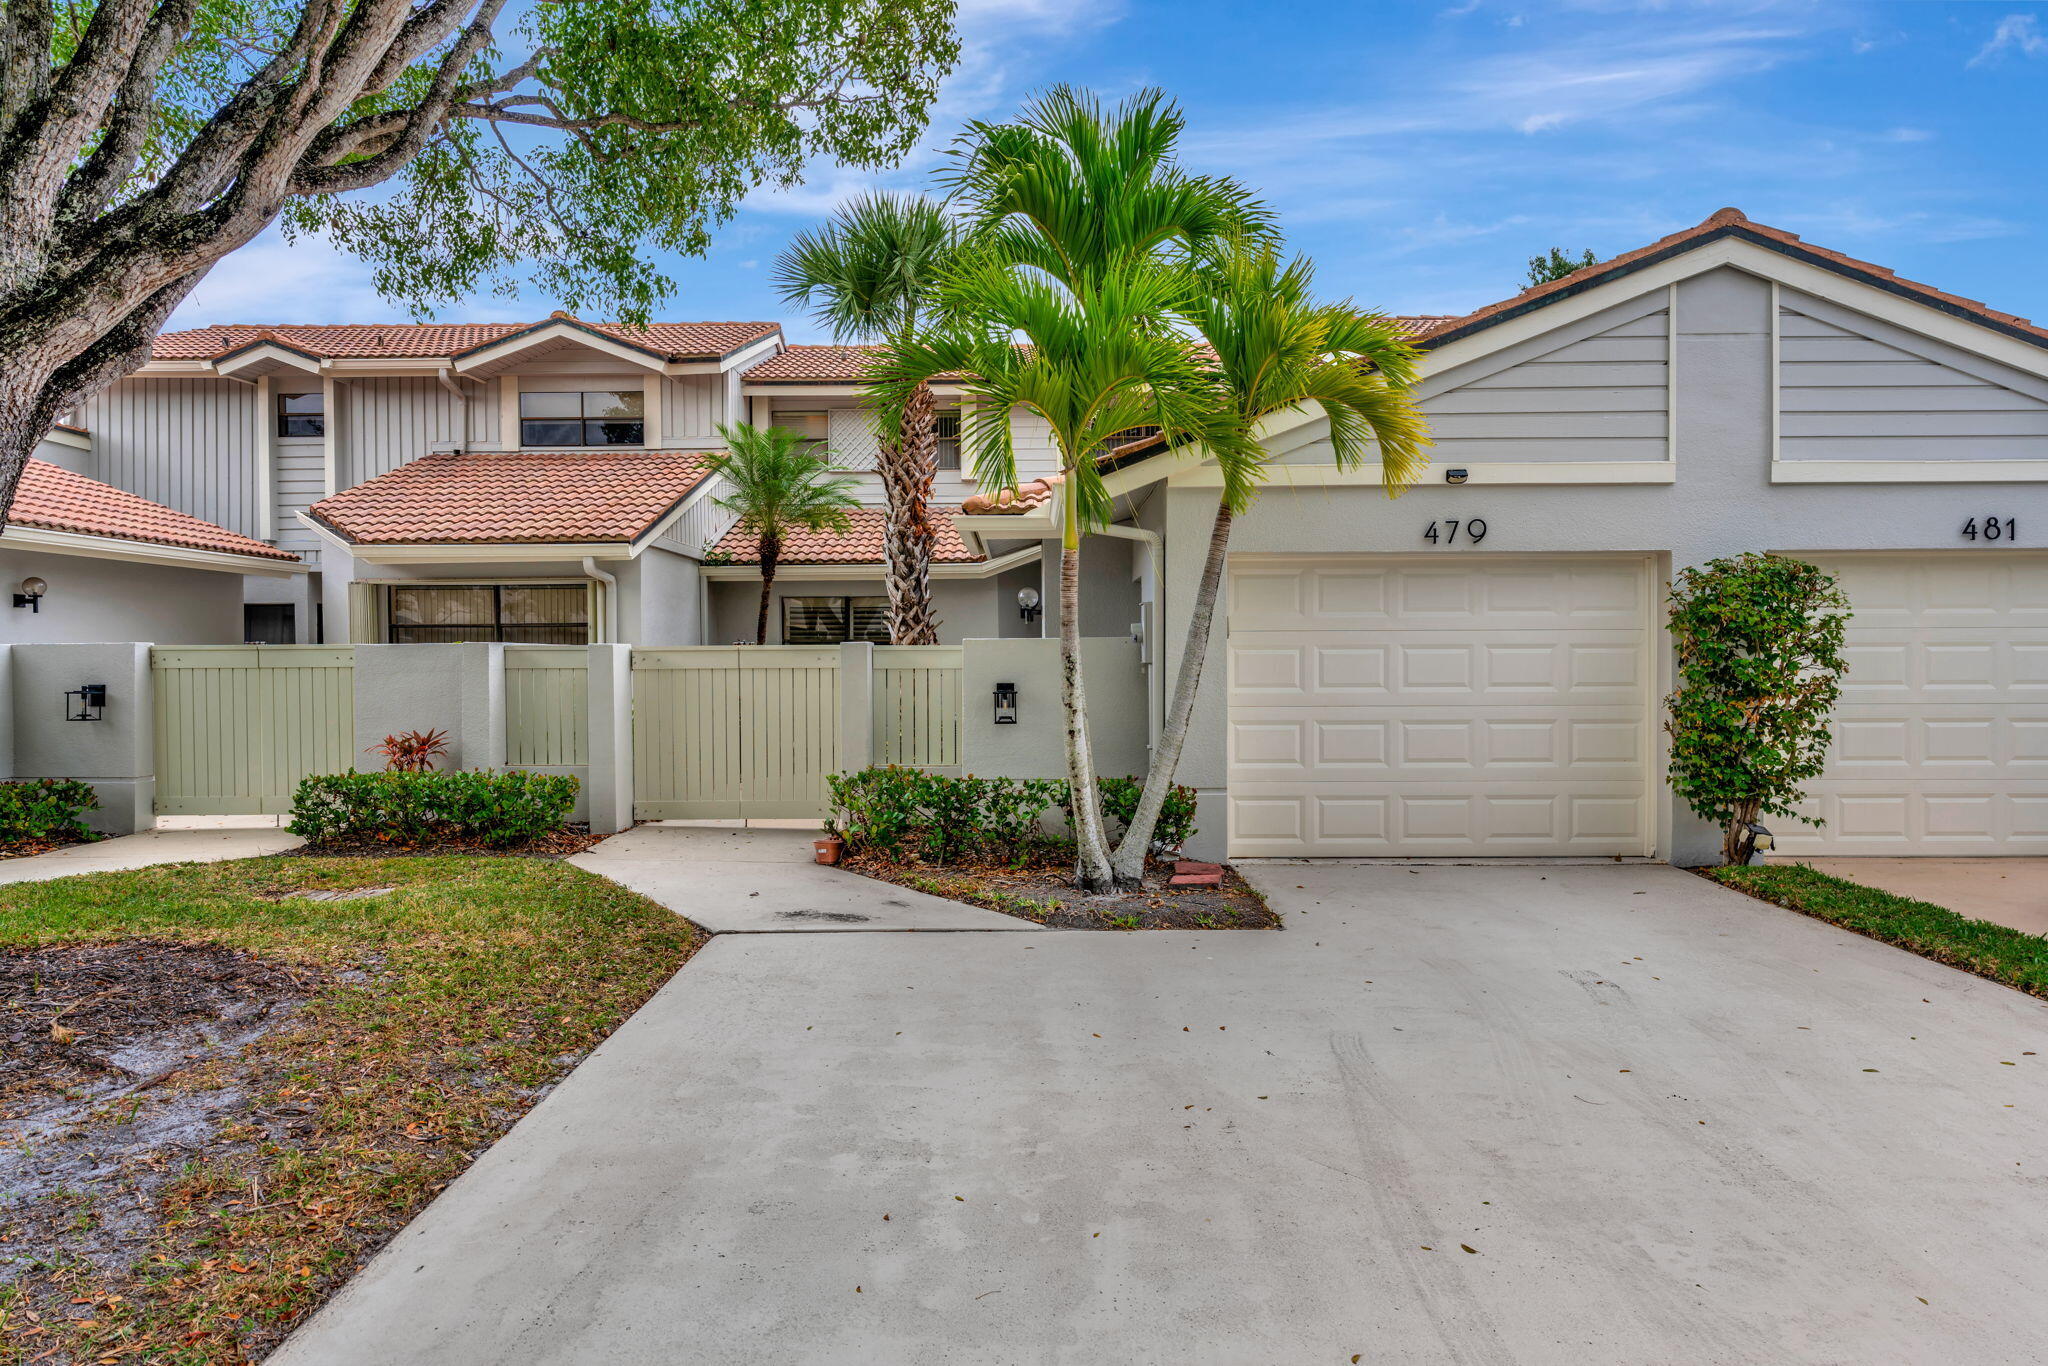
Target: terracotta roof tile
{"points": [[861, 543], [403, 341], [1020, 500], [55, 499], [515, 498], [818, 365]]}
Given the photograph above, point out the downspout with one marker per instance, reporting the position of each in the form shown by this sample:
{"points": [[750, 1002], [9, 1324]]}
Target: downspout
{"points": [[447, 379], [604, 627], [1155, 700]]}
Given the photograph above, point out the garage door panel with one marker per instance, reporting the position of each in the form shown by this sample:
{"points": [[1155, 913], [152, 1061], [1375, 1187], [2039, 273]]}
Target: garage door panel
{"points": [[1448, 819], [1456, 594], [1335, 668], [1275, 744], [1941, 737]]}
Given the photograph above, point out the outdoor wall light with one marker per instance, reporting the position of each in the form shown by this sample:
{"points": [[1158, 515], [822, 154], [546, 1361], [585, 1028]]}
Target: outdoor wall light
{"points": [[1006, 702], [91, 704], [1455, 476], [1027, 603], [31, 594], [1760, 838]]}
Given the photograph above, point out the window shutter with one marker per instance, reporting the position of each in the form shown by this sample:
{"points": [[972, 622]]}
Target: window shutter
{"points": [[851, 439]]}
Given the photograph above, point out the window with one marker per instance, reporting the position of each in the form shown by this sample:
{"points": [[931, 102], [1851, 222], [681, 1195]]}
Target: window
{"points": [[834, 621], [302, 414], [814, 428], [606, 417], [269, 623], [949, 438], [517, 613]]}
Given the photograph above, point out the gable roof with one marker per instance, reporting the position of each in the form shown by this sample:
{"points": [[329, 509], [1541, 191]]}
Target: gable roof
{"points": [[860, 543], [55, 499], [1724, 223], [516, 498], [428, 341]]}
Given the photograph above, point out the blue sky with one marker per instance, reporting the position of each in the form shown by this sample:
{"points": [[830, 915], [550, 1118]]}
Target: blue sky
{"points": [[1422, 152]]}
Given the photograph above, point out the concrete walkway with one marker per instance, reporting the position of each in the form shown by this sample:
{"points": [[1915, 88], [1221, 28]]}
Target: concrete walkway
{"points": [[1475, 1115], [2005, 891], [767, 881], [145, 849]]}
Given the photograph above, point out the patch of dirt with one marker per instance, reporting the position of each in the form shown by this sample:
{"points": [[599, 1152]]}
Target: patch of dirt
{"points": [[29, 848], [560, 844], [89, 1132], [1043, 891]]}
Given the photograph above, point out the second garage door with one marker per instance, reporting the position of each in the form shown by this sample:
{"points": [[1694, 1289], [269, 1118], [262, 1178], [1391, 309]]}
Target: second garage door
{"points": [[1388, 706]]}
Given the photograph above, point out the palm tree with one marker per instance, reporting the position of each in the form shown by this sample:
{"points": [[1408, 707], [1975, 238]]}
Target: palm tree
{"points": [[1082, 228], [1091, 364], [1276, 348], [776, 486], [869, 275]]}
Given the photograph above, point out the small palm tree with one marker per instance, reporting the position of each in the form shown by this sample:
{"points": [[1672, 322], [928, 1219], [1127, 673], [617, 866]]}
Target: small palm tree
{"points": [[870, 275], [776, 485], [1276, 348]]}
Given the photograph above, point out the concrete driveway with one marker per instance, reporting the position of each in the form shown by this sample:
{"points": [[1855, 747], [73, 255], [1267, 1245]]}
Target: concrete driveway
{"points": [[1604, 1114]]}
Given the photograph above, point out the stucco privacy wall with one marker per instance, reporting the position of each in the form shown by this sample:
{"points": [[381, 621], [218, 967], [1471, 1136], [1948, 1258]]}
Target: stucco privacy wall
{"points": [[1035, 746], [91, 599], [116, 753], [1721, 503]]}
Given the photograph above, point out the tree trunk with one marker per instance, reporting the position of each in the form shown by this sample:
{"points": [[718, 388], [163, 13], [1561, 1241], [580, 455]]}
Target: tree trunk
{"points": [[1129, 865], [1091, 839], [907, 466], [1737, 844], [771, 555]]}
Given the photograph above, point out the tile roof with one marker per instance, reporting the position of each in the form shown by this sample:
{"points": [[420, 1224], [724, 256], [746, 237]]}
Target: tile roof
{"points": [[405, 341], [818, 365], [54, 499], [1730, 222], [515, 498], [1022, 499], [861, 543]]}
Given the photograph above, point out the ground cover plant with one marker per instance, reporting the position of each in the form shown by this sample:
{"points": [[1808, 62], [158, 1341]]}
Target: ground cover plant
{"points": [[225, 1085], [1999, 952], [40, 814]]}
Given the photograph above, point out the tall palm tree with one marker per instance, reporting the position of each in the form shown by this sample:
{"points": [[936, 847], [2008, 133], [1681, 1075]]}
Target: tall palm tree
{"points": [[869, 275], [1275, 348], [1082, 227], [776, 485], [1092, 364]]}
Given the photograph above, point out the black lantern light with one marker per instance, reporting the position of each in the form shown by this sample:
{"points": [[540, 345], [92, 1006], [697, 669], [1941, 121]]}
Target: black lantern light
{"points": [[86, 702], [1006, 703]]}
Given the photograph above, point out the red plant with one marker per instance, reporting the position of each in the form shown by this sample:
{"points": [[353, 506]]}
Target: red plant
{"points": [[412, 751]]}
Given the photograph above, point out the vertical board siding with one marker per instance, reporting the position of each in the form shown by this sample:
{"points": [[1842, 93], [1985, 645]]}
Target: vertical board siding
{"points": [[723, 732], [392, 422], [187, 443], [702, 522], [692, 406], [547, 708], [237, 726], [917, 705]]}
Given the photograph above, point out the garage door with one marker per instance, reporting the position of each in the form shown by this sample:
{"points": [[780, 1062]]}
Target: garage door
{"points": [[1941, 737], [1393, 706]]}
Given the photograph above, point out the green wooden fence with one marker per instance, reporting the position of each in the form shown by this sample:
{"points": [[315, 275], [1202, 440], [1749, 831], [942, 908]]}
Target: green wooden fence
{"points": [[547, 707], [237, 726], [917, 705], [721, 731]]}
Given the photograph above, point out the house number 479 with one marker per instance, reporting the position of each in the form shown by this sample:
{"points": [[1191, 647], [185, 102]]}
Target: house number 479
{"points": [[1992, 529]]}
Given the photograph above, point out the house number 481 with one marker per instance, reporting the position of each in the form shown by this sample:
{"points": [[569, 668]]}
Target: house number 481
{"points": [[1992, 529]]}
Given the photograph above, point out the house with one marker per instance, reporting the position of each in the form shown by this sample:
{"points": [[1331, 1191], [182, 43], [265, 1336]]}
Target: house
{"points": [[1473, 670], [83, 561]]}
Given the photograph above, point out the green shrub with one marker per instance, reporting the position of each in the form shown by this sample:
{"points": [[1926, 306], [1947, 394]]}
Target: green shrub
{"points": [[412, 809], [45, 809], [893, 812], [1176, 825]]}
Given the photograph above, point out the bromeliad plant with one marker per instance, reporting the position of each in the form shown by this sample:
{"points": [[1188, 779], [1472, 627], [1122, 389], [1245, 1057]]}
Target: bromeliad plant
{"points": [[1759, 640]]}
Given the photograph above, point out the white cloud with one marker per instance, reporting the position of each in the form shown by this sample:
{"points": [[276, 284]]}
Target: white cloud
{"points": [[1908, 135], [2019, 33], [304, 281]]}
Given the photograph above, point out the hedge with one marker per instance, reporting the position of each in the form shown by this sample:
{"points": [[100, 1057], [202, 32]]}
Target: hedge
{"points": [[897, 812], [493, 808], [39, 809]]}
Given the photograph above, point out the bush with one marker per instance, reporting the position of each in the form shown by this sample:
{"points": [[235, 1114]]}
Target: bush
{"points": [[39, 809], [895, 812], [1176, 825], [412, 809]]}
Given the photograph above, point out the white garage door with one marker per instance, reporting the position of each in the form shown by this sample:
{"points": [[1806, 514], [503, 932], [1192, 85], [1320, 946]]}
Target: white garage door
{"points": [[1941, 737], [1394, 706]]}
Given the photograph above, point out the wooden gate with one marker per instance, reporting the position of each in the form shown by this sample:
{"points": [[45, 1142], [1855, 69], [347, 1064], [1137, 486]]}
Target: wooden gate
{"points": [[724, 732], [237, 726], [917, 706]]}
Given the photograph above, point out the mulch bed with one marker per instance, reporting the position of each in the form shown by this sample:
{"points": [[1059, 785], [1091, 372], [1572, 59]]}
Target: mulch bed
{"points": [[30, 848], [1043, 891], [562, 843]]}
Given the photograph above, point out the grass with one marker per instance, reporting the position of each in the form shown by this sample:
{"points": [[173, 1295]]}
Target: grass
{"points": [[439, 1014], [1999, 952]]}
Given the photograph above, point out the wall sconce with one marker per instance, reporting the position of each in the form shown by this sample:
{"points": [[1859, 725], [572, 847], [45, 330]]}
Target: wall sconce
{"points": [[91, 704], [1027, 603], [1455, 476], [31, 594], [1006, 702]]}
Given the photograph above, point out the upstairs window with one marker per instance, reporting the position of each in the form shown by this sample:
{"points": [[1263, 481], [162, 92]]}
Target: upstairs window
{"points": [[302, 414], [949, 438], [834, 621], [814, 428], [589, 417]]}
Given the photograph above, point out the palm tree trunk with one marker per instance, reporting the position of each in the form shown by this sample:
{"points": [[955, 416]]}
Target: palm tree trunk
{"points": [[1129, 863], [771, 554], [907, 466], [1091, 839]]}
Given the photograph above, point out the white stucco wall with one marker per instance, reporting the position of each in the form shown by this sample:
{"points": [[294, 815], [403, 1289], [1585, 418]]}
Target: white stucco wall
{"points": [[119, 600]]}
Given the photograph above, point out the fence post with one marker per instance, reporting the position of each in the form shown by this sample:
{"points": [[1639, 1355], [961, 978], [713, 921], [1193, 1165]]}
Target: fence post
{"points": [[856, 706], [610, 783], [115, 753]]}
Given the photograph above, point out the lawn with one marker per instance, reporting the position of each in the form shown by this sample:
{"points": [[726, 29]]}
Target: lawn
{"points": [[1999, 952], [219, 1096]]}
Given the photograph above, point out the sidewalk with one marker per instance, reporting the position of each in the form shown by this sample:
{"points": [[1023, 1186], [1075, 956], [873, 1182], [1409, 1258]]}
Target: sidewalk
{"points": [[146, 848]]}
